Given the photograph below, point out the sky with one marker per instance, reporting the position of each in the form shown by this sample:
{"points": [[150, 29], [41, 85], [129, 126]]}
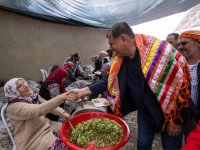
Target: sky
{"points": [[159, 28]]}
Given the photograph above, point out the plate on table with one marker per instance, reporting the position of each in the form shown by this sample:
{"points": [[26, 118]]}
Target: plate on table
{"points": [[97, 73], [99, 102]]}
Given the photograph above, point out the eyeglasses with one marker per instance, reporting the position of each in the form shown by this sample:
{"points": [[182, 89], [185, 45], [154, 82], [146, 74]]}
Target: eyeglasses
{"points": [[183, 43], [21, 84]]}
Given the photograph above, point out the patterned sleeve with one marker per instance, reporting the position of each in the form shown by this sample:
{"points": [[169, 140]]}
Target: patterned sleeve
{"points": [[54, 89]]}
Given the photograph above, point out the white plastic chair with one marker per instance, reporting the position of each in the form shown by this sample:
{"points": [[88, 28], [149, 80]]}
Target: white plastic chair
{"points": [[66, 60], [49, 70], [44, 74], [7, 125]]}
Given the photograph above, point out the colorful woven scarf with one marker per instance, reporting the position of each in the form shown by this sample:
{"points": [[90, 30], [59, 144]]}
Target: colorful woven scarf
{"points": [[166, 72]]}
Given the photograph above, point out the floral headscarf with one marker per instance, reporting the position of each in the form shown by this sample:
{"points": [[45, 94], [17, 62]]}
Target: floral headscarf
{"points": [[13, 95]]}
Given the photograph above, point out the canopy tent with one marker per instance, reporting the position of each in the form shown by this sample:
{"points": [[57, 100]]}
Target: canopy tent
{"points": [[191, 20], [98, 13]]}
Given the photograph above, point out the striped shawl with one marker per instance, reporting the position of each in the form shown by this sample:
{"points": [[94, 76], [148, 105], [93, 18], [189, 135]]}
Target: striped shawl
{"points": [[166, 72]]}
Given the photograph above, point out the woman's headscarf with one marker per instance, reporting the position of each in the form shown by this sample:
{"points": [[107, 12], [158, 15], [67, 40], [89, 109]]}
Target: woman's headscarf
{"points": [[13, 95], [58, 76], [103, 53], [69, 65], [106, 67]]}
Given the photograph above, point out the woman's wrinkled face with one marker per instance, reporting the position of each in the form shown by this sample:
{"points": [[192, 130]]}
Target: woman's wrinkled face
{"points": [[23, 88]]}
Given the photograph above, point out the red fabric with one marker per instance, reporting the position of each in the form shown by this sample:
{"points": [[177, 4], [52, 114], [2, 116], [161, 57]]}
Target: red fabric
{"points": [[58, 76], [193, 140], [193, 34], [69, 65]]}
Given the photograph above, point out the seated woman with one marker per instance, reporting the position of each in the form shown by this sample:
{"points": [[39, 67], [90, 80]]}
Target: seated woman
{"points": [[105, 69], [69, 68], [54, 67], [26, 111], [53, 86], [100, 59]]}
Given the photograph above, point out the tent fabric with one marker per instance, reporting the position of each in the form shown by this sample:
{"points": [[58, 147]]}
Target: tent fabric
{"points": [[98, 13]]}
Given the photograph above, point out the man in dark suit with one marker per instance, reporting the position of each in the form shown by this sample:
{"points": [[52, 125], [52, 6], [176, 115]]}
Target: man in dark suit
{"points": [[146, 75]]}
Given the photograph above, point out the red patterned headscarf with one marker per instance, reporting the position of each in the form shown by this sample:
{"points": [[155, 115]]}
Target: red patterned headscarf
{"points": [[193, 34], [58, 76], [69, 65]]}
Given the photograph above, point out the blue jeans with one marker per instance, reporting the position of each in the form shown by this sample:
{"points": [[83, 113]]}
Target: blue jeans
{"points": [[146, 132]]}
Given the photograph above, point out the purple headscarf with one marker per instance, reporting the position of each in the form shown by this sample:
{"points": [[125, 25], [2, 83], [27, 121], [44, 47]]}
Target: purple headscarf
{"points": [[13, 95], [106, 67]]}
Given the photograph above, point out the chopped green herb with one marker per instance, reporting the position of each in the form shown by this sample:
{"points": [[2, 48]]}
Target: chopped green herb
{"points": [[102, 132]]}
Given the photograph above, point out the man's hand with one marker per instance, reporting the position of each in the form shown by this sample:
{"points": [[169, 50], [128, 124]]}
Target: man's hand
{"points": [[73, 95], [173, 129], [76, 94], [67, 96]]}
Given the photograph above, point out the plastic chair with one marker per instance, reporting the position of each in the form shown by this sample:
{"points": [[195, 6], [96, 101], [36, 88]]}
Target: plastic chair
{"points": [[35, 89], [44, 74], [49, 70], [33, 83], [6, 123]]}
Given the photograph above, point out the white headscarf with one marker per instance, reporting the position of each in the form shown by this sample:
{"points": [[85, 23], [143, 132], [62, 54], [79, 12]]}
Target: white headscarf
{"points": [[13, 95]]}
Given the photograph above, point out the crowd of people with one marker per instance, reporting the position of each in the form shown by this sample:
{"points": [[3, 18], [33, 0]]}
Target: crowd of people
{"points": [[158, 78]]}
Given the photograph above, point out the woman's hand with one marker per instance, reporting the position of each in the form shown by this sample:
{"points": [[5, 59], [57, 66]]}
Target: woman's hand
{"points": [[75, 94], [69, 96]]}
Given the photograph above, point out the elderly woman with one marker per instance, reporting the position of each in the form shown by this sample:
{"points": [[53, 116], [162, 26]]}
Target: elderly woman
{"points": [[100, 59], [26, 111], [105, 69], [69, 68]]}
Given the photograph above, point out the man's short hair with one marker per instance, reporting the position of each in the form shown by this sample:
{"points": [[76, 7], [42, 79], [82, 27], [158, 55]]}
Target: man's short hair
{"points": [[120, 28], [76, 55], [176, 35]]}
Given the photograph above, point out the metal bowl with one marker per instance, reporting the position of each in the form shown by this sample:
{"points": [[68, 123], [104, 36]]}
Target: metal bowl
{"points": [[84, 110], [88, 106]]}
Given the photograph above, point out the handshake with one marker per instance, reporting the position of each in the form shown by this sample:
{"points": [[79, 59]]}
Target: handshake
{"points": [[75, 94], [71, 96]]}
